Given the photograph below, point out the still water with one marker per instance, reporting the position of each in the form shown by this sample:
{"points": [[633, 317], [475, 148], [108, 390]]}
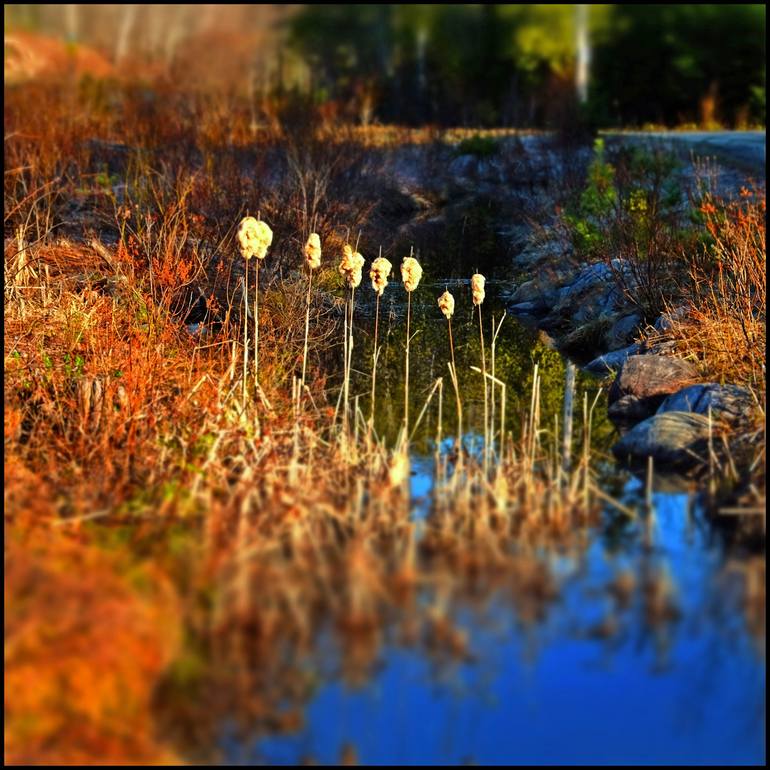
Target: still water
{"points": [[643, 644]]}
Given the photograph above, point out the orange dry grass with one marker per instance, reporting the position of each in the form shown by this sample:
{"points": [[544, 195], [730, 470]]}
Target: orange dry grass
{"points": [[724, 326], [83, 652]]}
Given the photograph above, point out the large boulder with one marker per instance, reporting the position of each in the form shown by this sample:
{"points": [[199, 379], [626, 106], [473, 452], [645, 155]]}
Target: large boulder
{"points": [[642, 384], [541, 291], [611, 362], [675, 440], [594, 293], [623, 331], [665, 321], [725, 402]]}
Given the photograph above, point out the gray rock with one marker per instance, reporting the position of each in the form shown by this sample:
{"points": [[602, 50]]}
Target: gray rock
{"points": [[726, 402], [552, 253], [525, 308], [643, 383], [538, 291], [597, 273], [675, 441], [664, 322], [623, 331], [628, 410], [594, 292], [611, 362]]}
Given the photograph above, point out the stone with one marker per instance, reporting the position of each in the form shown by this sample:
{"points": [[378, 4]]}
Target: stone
{"points": [[675, 441], [665, 321], [525, 308], [643, 382], [537, 291], [594, 292], [612, 361], [726, 402], [623, 331]]}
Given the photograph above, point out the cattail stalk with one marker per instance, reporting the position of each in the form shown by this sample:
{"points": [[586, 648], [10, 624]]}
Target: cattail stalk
{"points": [[256, 324], [349, 363], [375, 356], [411, 272], [313, 260], [486, 391], [379, 272], [245, 332], [456, 384], [254, 239], [307, 329], [446, 303], [351, 269], [477, 289], [495, 333], [406, 374]]}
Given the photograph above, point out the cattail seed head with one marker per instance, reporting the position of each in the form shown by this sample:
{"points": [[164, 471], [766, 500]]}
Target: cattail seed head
{"points": [[477, 288], [379, 272], [254, 238], [313, 251], [351, 267], [411, 272], [446, 303]]}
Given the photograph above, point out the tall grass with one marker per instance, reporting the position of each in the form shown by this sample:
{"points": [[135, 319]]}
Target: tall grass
{"points": [[125, 431]]}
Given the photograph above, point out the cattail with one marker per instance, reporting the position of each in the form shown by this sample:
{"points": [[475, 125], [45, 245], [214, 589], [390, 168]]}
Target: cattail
{"points": [[313, 251], [411, 272], [313, 260], [379, 272], [477, 288], [446, 303], [351, 267], [254, 238]]}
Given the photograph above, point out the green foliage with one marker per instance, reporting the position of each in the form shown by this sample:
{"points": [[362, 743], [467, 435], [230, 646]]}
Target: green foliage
{"points": [[675, 64], [493, 64], [596, 203], [632, 207]]}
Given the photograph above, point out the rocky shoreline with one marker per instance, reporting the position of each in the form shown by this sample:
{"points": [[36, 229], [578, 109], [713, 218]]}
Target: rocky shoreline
{"points": [[664, 409]]}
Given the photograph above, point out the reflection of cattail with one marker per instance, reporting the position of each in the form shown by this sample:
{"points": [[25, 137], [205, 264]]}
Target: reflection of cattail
{"points": [[351, 267], [313, 251], [379, 272], [446, 303], [477, 288], [411, 272]]}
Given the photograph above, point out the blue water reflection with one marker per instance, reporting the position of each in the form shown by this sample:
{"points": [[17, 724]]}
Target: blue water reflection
{"points": [[661, 672]]}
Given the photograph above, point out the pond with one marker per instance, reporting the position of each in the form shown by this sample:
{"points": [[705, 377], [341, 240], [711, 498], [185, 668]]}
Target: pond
{"points": [[640, 642]]}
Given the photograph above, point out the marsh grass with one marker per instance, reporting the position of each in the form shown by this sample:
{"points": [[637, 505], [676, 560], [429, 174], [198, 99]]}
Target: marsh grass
{"points": [[125, 433]]}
